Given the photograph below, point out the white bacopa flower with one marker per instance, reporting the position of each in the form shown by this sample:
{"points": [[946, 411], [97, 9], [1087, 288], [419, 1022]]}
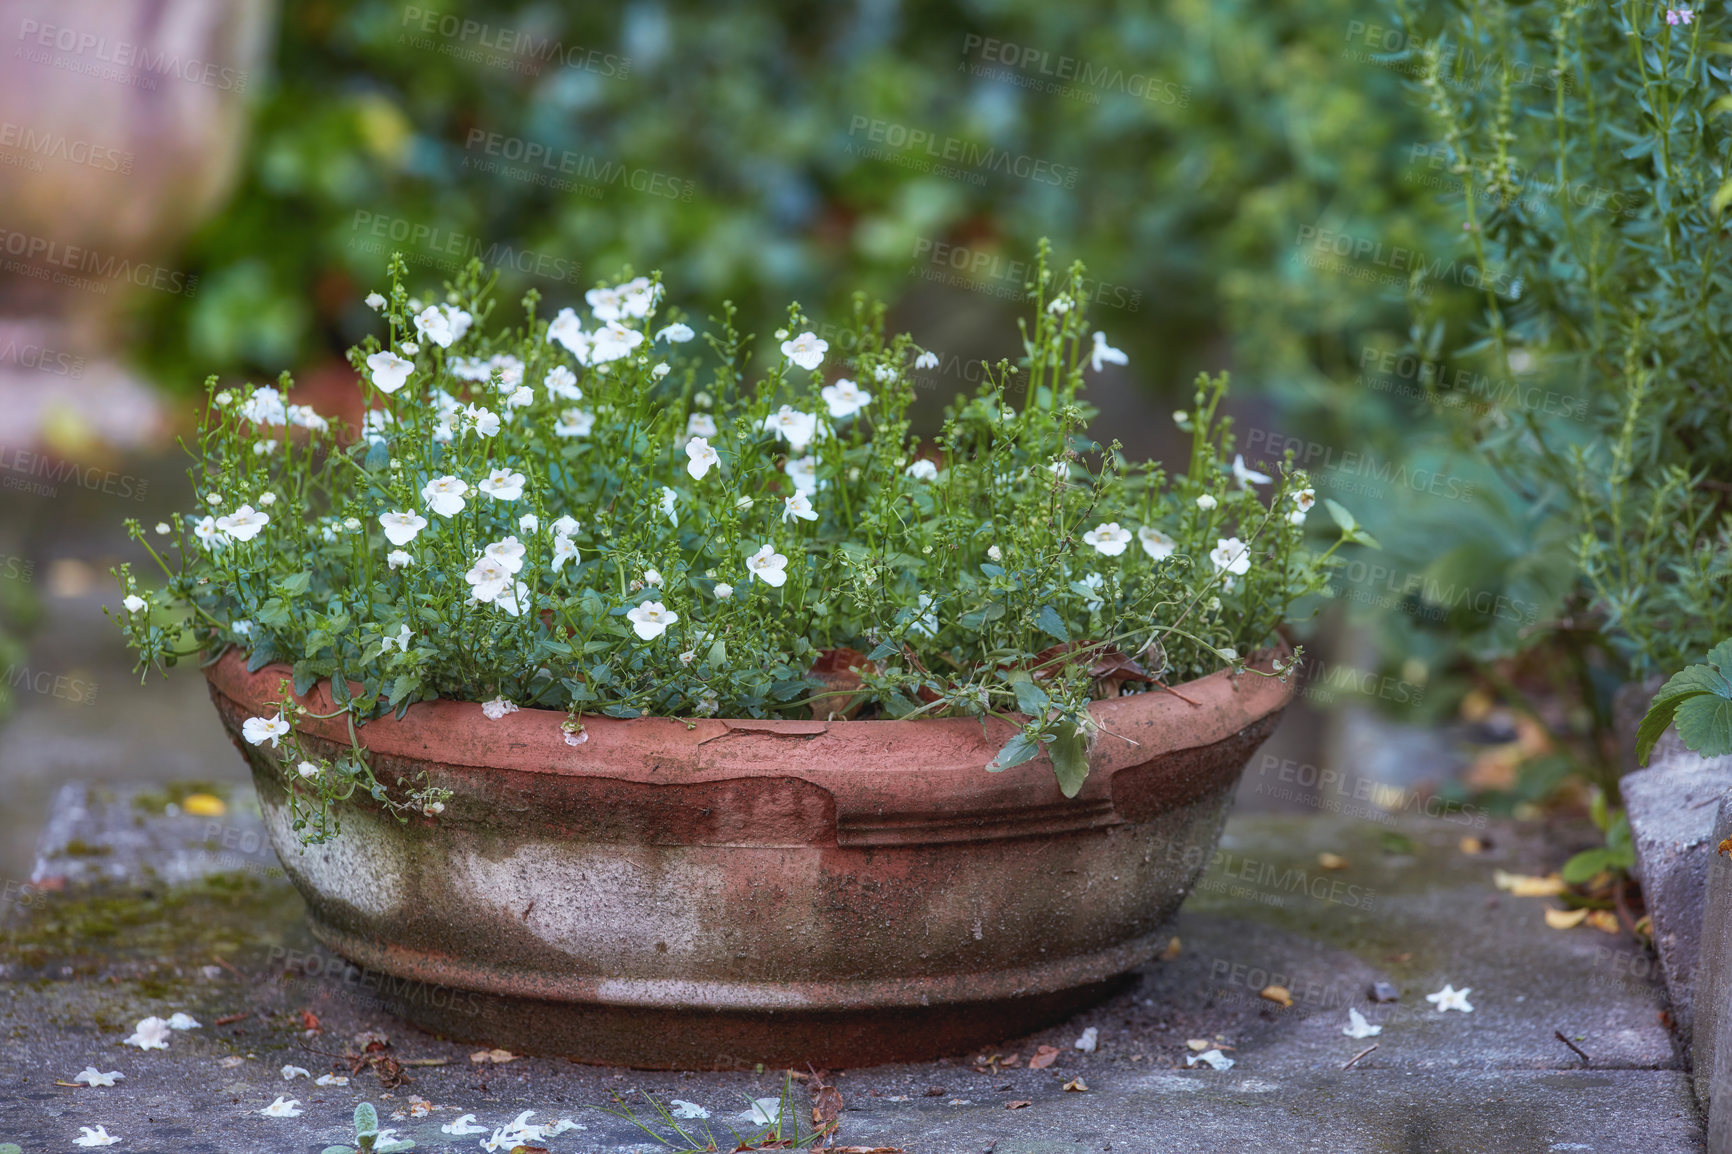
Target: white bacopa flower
{"points": [[764, 1112], [994, 553], [1305, 498], [1156, 543], [806, 350], [331, 1080], [845, 398], [803, 471], [483, 420], [612, 342], [567, 329], [134, 603], [564, 549], [374, 301], [153, 1033], [283, 1108], [605, 303], [432, 323], [401, 527], [702, 458], [95, 1136], [1060, 304], [1246, 476], [373, 423], [180, 1021], [502, 485], [307, 769], [927, 360], [651, 619], [265, 407], [1296, 517], [497, 708], [708, 704], [1206, 502], [290, 1073], [676, 333], [1231, 555], [1108, 538], [1089, 1040], [1357, 1027], [398, 558], [521, 397], [93, 1077], [652, 577], [390, 371], [304, 417], [487, 578], [529, 523], [561, 384], [163, 529], [466, 1124], [1103, 353], [793, 426], [687, 1110], [923, 470], [723, 591], [514, 600], [410, 347], [668, 501], [258, 730], [768, 566], [574, 423], [351, 523], [688, 657], [444, 495], [798, 506], [267, 498], [638, 297], [700, 425], [565, 526], [398, 641], [244, 523], [242, 627], [1450, 998]]}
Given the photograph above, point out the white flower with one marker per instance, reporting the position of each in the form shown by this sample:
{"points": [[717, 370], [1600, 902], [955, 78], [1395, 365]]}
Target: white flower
{"points": [[93, 1077], [703, 458], [1103, 353], [444, 325], [605, 303], [677, 333], [561, 383], [519, 398], [483, 420], [330, 1080], [926, 361], [613, 341], [444, 495], [1206, 502], [244, 523], [793, 426], [1108, 538], [1232, 555], [803, 471], [265, 407], [179, 1021], [798, 506], [764, 1112], [723, 591], [923, 470], [398, 558], [134, 603], [290, 1073], [700, 425], [306, 418], [283, 1108], [768, 566], [1305, 498], [638, 296], [466, 1124], [684, 1109], [373, 424], [651, 619], [1089, 1041], [574, 423], [307, 769], [401, 527], [1156, 543], [669, 499], [95, 1136], [994, 553], [1296, 517], [242, 627], [806, 350], [927, 623], [1450, 998], [267, 498], [1358, 1027], [567, 329], [502, 485], [390, 371], [845, 398], [488, 578], [1214, 1059], [514, 600], [258, 730], [410, 347], [652, 577], [497, 708], [1246, 477], [1060, 304], [163, 529], [529, 522], [564, 549], [153, 1033], [374, 301], [399, 641]]}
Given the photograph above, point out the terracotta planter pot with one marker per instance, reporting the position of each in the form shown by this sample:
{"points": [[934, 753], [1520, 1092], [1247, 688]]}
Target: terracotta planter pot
{"points": [[710, 894]]}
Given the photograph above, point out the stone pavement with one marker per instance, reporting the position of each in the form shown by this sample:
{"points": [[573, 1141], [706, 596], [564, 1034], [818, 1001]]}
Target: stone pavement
{"points": [[160, 911]]}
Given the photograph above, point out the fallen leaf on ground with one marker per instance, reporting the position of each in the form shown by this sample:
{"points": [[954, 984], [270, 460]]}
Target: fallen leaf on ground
{"points": [[1472, 845], [1076, 1084], [309, 1021], [1276, 994], [1019, 1104], [1331, 861], [1173, 946], [1043, 1057], [494, 1056], [1604, 920], [826, 1104], [1726, 847], [1564, 919], [231, 1019], [1198, 1044], [1527, 885], [203, 805]]}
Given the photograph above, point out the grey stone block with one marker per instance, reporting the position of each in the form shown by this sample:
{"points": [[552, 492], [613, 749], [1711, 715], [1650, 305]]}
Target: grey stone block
{"points": [[1671, 808], [1712, 1058]]}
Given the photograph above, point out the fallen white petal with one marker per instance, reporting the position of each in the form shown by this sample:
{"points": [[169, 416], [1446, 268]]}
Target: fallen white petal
{"points": [[1358, 1027], [290, 1073]]}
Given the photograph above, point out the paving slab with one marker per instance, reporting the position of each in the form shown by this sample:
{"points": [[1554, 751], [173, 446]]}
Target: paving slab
{"points": [[86, 954]]}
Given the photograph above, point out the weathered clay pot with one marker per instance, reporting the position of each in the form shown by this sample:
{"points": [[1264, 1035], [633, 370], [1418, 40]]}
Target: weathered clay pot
{"points": [[710, 894]]}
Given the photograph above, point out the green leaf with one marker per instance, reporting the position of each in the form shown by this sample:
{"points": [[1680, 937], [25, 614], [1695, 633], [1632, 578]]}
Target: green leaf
{"points": [[1585, 865], [1342, 518], [1070, 760], [1722, 195], [1705, 725], [718, 654], [1712, 737], [1051, 623], [293, 585], [1030, 698], [881, 651], [1016, 751], [366, 1120], [326, 1150]]}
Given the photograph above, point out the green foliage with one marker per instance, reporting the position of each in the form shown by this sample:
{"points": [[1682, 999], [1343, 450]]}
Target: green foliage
{"points": [[1616, 856], [1698, 699], [369, 1139]]}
